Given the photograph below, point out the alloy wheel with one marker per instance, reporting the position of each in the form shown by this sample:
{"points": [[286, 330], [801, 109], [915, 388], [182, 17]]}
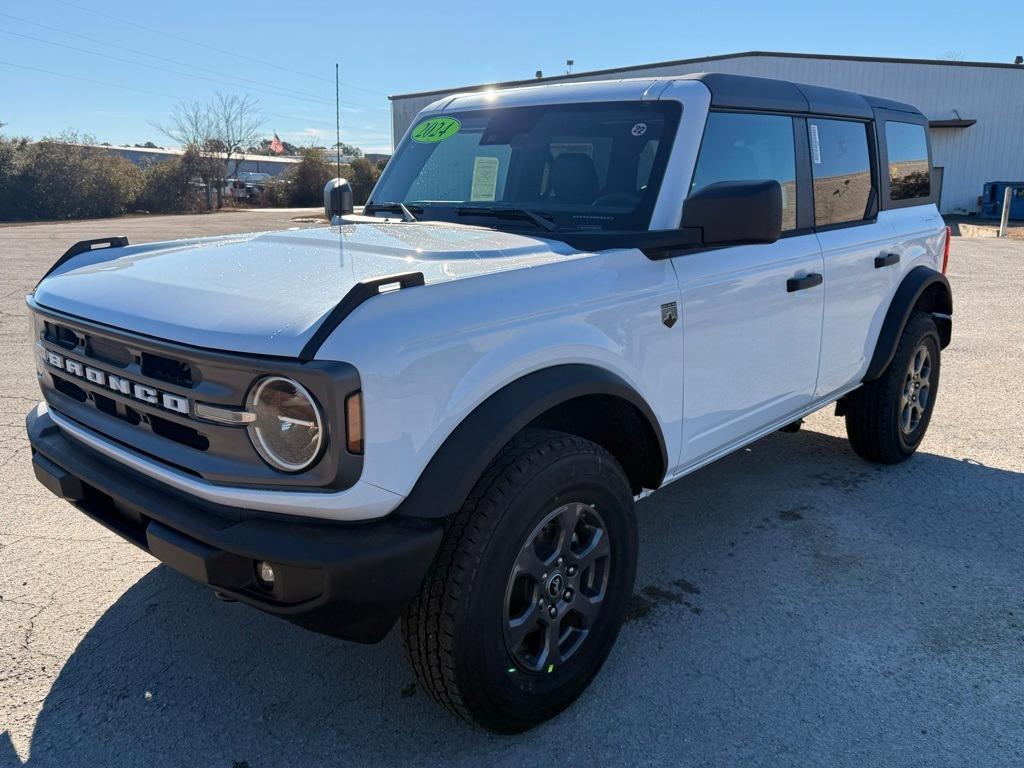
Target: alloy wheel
{"points": [[557, 587], [916, 390]]}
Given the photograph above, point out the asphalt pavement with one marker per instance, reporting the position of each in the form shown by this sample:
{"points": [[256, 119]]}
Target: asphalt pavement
{"points": [[795, 606]]}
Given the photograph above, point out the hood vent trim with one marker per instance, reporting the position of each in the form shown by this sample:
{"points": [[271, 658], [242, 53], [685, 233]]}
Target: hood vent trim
{"points": [[358, 293]]}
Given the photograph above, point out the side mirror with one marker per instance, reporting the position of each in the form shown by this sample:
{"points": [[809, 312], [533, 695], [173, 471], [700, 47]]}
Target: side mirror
{"points": [[736, 212], [337, 198]]}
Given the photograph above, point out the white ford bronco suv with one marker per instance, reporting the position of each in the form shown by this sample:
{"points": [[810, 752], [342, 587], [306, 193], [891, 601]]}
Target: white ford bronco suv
{"points": [[558, 299]]}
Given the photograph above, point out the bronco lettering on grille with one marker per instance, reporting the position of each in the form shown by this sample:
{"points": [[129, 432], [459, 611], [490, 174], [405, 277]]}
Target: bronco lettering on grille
{"points": [[122, 386]]}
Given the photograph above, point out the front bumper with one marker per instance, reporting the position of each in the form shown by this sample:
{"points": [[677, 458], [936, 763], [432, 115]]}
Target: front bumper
{"points": [[348, 580]]}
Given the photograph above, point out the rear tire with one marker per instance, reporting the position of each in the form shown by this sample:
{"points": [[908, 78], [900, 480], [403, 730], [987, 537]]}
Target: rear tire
{"points": [[886, 419], [480, 635]]}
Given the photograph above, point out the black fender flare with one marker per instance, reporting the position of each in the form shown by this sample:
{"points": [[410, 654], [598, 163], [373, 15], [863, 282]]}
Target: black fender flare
{"points": [[914, 285], [450, 475]]}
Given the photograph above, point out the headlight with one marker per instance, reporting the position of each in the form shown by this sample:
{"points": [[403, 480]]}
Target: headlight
{"points": [[288, 429]]}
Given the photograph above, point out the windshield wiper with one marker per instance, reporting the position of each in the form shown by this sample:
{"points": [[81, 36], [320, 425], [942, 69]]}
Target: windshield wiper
{"points": [[399, 207], [508, 213]]}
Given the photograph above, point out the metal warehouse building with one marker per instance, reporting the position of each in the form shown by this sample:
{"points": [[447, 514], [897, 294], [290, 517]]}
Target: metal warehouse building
{"points": [[975, 109]]}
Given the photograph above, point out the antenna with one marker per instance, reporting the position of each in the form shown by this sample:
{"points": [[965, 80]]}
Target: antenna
{"points": [[337, 117]]}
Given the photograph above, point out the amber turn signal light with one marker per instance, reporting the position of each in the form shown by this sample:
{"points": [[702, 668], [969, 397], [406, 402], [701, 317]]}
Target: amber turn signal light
{"points": [[354, 422]]}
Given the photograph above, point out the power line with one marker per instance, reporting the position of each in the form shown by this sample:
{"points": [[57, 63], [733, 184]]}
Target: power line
{"points": [[233, 54], [147, 54], [109, 84], [274, 90], [154, 66], [83, 79]]}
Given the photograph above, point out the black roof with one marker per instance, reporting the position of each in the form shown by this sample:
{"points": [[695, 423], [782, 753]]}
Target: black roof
{"points": [[742, 91], [701, 60]]}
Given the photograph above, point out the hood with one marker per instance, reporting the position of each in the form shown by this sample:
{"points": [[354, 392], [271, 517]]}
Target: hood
{"points": [[267, 293]]}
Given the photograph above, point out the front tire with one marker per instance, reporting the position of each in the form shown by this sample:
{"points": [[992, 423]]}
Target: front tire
{"points": [[886, 419], [530, 587]]}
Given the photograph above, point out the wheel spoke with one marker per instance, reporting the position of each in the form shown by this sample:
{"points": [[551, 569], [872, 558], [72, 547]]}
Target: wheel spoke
{"points": [[595, 552], [588, 608], [521, 626], [567, 520], [552, 655], [529, 562]]}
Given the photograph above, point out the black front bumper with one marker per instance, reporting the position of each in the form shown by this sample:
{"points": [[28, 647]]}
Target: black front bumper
{"points": [[348, 580]]}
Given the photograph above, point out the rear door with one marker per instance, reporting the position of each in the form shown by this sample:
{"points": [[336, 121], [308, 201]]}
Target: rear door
{"points": [[867, 251], [750, 343], [856, 246], [911, 189]]}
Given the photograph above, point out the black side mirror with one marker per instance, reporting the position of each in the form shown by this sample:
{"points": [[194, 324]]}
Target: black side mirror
{"points": [[338, 199], [736, 212]]}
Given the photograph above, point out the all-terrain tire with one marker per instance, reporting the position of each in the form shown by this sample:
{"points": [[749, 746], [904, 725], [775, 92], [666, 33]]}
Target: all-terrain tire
{"points": [[456, 630], [886, 418]]}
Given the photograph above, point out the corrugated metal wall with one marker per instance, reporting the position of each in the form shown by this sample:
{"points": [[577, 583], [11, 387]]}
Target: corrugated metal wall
{"points": [[992, 149]]}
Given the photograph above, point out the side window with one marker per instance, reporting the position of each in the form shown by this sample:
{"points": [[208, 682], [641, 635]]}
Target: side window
{"points": [[909, 169], [841, 168], [739, 147]]}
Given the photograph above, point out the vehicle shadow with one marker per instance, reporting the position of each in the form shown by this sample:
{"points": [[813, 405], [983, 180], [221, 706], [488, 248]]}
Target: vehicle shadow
{"points": [[784, 582]]}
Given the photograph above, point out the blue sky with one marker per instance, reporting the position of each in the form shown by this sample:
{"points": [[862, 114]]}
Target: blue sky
{"points": [[110, 68]]}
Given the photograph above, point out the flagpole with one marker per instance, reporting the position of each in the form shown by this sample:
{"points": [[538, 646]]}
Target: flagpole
{"points": [[337, 116]]}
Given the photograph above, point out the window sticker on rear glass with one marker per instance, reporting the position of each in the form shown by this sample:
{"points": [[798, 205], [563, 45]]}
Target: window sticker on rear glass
{"points": [[815, 145], [485, 179], [639, 129], [435, 129]]}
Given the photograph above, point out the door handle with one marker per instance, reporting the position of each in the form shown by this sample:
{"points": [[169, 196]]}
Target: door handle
{"points": [[887, 260], [803, 283]]}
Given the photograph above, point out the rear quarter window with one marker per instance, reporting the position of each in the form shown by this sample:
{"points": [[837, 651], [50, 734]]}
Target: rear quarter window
{"points": [[841, 169], [909, 168]]}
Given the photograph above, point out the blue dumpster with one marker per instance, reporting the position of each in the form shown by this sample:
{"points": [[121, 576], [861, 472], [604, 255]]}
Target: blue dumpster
{"points": [[992, 200]]}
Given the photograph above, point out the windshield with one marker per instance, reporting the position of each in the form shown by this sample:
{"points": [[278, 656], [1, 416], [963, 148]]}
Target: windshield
{"points": [[579, 166]]}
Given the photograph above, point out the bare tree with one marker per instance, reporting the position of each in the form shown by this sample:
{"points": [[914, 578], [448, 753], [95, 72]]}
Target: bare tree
{"points": [[189, 125], [235, 122], [218, 129]]}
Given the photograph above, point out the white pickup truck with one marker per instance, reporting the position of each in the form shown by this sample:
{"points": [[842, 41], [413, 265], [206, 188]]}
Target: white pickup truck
{"points": [[558, 299]]}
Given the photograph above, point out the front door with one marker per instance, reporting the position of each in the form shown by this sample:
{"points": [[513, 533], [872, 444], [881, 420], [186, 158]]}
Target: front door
{"points": [[751, 314]]}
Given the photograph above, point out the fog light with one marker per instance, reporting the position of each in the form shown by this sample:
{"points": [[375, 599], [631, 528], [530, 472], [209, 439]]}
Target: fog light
{"points": [[265, 573]]}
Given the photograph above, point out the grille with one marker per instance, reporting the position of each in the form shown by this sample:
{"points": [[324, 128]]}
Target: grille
{"points": [[113, 353], [173, 434]]}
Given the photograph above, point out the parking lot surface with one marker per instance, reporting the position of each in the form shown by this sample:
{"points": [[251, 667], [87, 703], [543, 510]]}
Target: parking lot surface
{"points": [[794, 605]]}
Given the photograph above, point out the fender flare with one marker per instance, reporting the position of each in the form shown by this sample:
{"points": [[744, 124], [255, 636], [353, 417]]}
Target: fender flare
{"points": [[451, 473], [914, 285]]}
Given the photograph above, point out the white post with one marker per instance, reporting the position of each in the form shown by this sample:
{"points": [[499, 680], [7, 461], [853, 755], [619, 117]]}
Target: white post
{"points": [[1005, 218]]}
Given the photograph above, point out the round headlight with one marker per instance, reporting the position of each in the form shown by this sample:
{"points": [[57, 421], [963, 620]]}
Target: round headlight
{"points": [[287, 431]]}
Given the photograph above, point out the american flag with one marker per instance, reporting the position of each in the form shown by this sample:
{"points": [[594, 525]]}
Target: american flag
{"points": [[276, 146]]}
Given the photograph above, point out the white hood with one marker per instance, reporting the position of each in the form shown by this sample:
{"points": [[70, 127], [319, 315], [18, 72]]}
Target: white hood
{"points": [[267, 293]]}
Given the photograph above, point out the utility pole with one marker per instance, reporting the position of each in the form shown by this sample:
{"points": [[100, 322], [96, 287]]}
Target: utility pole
{"points": [[337, 117]]}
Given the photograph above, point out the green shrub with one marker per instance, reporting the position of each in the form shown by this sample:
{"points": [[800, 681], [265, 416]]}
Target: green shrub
{"points": [[362, 176], [164, 187], [303, 183], [174, 185], [59, 178], [10, 156]]}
